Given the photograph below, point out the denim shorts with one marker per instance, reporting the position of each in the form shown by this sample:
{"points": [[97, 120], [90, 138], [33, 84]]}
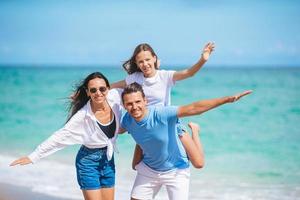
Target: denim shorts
{"points": [[93, 169]]}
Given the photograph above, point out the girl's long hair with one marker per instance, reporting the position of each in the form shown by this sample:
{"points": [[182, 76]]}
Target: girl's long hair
{"points": [[130, 66], [80, 98]]}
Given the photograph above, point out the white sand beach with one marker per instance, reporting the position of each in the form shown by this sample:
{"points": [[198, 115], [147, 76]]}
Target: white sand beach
{"points": [[12, 192]]}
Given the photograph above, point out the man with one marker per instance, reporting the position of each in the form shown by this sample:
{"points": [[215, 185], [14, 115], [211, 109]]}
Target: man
{"points": [[165, 160]]}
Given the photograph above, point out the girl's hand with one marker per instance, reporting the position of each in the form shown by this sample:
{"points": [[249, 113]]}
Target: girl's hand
{"points": [[208, 48], [21, 161]]}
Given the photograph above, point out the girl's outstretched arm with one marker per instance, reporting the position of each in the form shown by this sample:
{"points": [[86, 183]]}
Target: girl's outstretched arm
{"points": [[119, 84], [193, 146], [186, 73]]}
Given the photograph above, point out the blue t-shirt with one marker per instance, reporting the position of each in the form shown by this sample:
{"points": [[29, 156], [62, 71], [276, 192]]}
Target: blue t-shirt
{"points": [[156, 134]]}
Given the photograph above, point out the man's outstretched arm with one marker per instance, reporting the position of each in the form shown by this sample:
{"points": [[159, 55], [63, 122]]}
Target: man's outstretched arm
{"points": [[199, 107]]}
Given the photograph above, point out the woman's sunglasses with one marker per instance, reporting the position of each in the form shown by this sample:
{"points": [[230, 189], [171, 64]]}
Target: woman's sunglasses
{"points": [[101, 89]]}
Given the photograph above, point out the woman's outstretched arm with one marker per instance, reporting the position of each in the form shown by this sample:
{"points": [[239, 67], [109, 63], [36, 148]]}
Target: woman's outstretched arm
{"points": [[21, 161], [70, 134]]}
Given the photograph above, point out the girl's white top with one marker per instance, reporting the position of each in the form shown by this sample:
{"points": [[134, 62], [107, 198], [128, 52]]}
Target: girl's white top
{"points": [[157, 89], [82, 128]]}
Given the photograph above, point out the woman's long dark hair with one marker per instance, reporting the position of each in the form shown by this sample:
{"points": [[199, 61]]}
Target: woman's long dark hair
{"points": [[80, 98], [130, 66]]}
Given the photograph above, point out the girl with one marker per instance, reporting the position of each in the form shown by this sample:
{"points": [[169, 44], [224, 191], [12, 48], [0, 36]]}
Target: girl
{"points": [[94, 123], [143, 66]]}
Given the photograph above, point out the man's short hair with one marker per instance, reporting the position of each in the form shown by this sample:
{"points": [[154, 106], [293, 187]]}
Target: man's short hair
{"points": [[131, 88]]}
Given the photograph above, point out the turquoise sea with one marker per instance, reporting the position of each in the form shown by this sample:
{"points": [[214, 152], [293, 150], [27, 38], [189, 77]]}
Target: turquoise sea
{"points": [[252, 147]]}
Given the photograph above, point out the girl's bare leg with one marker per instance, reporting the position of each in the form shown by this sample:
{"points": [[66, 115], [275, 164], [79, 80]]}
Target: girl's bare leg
{"points": [[195, 136], [193, 146]]}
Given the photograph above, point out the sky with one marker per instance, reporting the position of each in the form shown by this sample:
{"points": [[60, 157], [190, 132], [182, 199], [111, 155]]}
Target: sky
{"points": [[79, 33]]}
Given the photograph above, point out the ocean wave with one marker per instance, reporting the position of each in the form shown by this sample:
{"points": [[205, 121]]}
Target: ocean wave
{"points": [[58, 179]]}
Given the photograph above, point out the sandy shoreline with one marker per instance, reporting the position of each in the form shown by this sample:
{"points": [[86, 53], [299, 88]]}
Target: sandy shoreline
{"points": [[12, 192]]}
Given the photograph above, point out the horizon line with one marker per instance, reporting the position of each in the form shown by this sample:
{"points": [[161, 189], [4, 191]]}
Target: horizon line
{"points": [[115, 66]]}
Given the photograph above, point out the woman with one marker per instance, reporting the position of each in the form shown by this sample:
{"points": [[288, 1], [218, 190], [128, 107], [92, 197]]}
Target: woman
{"points": [[94, 123]]}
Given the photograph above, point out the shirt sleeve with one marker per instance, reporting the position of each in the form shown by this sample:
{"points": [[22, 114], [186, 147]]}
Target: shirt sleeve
{"points": [[71, 133], [131, 78], [123, 119], [114, 95], [168, 76], [169, 112], [180, 127]]}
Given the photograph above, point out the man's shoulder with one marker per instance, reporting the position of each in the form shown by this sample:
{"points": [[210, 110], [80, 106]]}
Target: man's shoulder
{"points": [[164, 110], [125, 116]]}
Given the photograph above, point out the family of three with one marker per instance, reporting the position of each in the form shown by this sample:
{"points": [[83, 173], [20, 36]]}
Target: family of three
{"points": [[98, 113]]}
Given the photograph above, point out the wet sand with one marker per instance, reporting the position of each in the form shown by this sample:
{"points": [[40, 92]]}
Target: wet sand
{"points": [[12, 192]]}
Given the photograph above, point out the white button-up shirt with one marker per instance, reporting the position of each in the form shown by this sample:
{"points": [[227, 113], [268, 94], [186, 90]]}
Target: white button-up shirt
{"points": [[82, 128]]}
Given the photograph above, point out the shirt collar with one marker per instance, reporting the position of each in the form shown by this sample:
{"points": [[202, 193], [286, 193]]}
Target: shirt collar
{"points": [[151, 80], [88, 108]]}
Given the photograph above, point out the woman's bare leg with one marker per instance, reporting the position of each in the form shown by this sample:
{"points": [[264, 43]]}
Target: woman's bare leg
{"points": [[99, 194], [108, 193], [92, 194]]}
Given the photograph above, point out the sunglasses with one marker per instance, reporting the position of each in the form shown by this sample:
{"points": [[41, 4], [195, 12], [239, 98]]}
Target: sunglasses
{"points": [[101, 89]]}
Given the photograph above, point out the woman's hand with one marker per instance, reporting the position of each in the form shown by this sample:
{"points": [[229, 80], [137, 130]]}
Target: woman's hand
{"points": [[21, 161]]}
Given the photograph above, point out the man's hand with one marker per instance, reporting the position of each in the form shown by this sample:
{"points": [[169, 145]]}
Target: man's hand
{"points": [[238, 96]]}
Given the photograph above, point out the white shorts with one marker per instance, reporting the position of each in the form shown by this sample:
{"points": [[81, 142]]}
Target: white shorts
{"points": [[148, 182]]}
